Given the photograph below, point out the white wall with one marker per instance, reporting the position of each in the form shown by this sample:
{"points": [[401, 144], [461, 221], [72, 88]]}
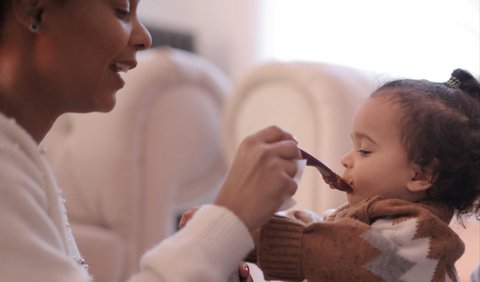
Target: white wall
{"points": [[233, 35], [224, 29], [424, 39]]}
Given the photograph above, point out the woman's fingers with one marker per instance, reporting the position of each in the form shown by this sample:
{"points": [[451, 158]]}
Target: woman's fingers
{"points": [[287, 149], [261, 176], [290, 166], [273, 134], [279, 141], [186, 216]]}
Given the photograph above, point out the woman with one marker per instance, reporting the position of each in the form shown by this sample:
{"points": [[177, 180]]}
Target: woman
{"points": [[59, 56]]}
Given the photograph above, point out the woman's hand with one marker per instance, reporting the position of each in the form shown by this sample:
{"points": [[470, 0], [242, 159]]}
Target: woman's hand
{"points": [[261, 176], [186, 216]]}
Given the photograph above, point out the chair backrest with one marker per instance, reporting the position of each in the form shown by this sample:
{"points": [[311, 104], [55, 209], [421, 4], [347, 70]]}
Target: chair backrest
{"points": [[314, 101], [134, 170]]}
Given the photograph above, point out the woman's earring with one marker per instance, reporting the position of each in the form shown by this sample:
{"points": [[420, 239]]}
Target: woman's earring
{"points": [[34, 27]]}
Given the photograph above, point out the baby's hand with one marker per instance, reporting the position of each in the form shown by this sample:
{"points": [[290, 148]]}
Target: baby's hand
{"points": [[244, 272], [305, 216], [242, 275], [186, 216]]}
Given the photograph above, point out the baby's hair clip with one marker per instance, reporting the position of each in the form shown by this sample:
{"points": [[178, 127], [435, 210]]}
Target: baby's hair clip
{"points": [[453, 82]]}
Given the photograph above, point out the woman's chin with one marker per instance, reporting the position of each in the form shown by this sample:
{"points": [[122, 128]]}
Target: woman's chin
{"points": [[107, 104]]}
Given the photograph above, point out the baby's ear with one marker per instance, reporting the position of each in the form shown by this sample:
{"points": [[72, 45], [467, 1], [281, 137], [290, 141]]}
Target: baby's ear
{"points": [[421, 179]]}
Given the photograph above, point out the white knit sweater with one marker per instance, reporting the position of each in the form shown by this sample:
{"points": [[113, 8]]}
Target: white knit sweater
{"points": [[36, 243]]}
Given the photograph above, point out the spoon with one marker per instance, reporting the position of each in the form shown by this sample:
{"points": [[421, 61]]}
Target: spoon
{"points": [[330, 177]]}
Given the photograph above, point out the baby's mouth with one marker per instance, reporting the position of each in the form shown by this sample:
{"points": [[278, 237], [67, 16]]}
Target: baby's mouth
{"points": [[352, 185], [343, 185]]}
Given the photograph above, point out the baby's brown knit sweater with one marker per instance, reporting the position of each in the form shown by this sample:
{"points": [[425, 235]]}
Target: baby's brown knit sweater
{"points": [[374, 240]]}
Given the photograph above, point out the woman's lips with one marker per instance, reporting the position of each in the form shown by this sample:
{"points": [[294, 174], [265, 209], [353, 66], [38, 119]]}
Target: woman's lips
{"points": [[122, 66], [119, 82]]}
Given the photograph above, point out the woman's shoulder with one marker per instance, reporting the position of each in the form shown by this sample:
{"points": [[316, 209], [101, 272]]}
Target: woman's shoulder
{"points": [[21, 174], [16, 143]]}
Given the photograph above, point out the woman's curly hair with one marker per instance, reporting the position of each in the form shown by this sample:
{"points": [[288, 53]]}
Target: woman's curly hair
{"points": [[440, 130], [4, 6]]}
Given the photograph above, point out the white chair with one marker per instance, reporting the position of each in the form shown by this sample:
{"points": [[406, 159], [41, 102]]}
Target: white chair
{"points": [[127, 175]]}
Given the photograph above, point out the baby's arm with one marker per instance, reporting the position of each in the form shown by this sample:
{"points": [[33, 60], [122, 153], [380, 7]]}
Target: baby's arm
{"points": [[351, 250], [289, 249]]}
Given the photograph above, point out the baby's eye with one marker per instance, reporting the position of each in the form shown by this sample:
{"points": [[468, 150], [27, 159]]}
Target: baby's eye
{"points": [[122, 14], [364, 153]]}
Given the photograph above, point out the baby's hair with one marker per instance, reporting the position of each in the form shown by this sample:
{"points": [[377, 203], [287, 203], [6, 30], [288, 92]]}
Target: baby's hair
{"points": [[440, 129]]}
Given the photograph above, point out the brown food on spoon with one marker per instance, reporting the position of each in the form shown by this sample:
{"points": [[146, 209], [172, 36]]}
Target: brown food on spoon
{"points": [[330, 177]]}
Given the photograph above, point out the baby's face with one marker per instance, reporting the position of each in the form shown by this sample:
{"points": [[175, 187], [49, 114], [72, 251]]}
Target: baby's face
{"points": [[377, 163]]}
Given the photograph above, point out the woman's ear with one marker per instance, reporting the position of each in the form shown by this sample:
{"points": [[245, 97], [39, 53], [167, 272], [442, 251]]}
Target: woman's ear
{"points": [[28, 13], [421, 179]]}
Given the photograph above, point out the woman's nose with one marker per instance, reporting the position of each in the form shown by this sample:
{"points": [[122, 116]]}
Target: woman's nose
{"points": [[347, 160], [141, 38]]}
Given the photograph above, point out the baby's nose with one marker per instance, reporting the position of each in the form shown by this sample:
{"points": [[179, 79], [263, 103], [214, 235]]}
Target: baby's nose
{"points": [[347, 160]]}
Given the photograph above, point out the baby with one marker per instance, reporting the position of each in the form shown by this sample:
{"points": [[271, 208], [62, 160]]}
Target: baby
{"points": [[414, 163]]}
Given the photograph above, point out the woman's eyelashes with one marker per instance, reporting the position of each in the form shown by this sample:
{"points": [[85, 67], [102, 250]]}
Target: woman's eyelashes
{"points": [[122, 13]]}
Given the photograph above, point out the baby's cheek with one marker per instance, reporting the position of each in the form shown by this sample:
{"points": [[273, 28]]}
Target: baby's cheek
{"points": [[367, 186]]}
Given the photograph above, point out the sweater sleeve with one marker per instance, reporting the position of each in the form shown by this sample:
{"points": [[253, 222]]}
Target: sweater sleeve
{"points": [[415, 248], [208, 248]]}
